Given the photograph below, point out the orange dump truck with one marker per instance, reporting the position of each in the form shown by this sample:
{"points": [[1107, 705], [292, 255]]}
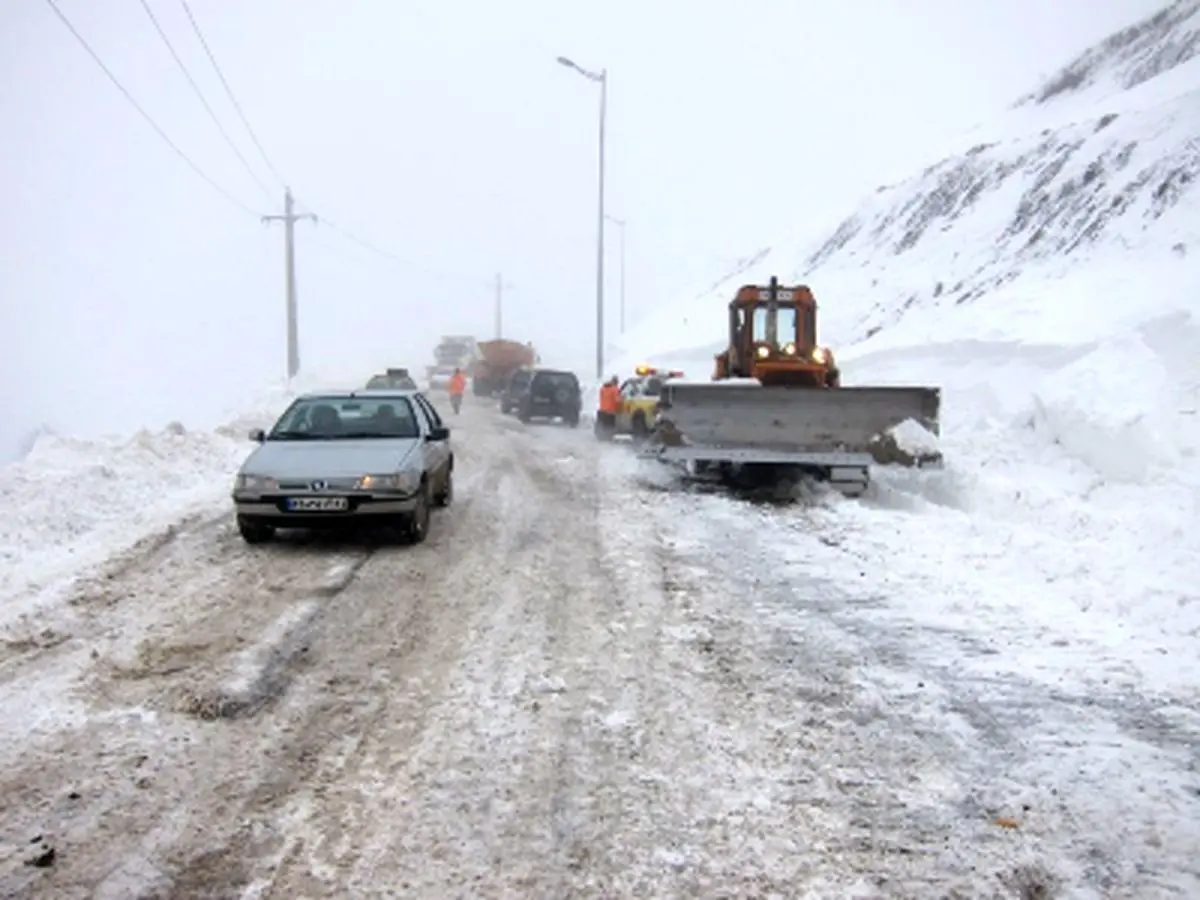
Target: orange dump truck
{"points": [[497, 361]]}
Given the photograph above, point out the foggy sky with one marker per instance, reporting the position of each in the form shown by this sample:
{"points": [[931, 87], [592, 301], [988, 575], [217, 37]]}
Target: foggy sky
{"points": [[444, 133]]}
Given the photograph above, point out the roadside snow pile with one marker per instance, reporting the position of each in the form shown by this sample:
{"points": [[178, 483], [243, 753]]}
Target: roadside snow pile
{"points": [[1122, 428], [1048, 280], [71, 504]]}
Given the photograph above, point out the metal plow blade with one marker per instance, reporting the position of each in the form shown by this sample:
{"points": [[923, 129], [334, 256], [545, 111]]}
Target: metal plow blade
{"points": [[748, 423]]}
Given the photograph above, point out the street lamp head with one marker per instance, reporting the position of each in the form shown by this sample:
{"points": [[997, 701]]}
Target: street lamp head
{"points": [[586, 73]]}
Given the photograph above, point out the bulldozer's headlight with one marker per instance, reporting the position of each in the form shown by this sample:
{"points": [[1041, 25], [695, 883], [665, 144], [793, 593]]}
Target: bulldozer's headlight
{"points": [[762, 352], [819, 355], [789, 349]]}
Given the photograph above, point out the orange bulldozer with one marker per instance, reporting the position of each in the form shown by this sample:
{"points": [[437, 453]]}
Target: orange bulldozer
{"points": [[776, 407]]}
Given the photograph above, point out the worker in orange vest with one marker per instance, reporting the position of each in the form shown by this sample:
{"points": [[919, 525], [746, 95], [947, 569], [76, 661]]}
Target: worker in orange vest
{"points": [[609, 406], [458, 387]]}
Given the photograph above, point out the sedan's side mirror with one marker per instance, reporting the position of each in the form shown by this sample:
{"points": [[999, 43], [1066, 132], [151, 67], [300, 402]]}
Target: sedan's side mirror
{"points": [[439, 434], [257, 435]]}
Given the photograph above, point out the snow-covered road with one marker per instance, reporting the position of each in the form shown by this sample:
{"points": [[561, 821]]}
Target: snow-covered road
{"points": [[579, 686]]}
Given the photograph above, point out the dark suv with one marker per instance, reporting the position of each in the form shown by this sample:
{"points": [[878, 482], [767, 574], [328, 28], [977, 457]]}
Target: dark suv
{"points": [[514, 389], [550, 394]]}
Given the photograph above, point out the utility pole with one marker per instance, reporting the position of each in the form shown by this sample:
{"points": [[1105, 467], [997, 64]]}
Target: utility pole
{"points": [[289, 219], [500, 289]]}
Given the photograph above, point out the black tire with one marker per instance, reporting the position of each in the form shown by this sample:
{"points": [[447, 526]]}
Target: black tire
{"points": [[639, 429], [572, 419], [416, 529], [254, 532], [524, 413], [446, 495], [504, 407]]}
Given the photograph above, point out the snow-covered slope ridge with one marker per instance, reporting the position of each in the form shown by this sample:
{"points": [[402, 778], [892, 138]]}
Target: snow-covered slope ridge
{"points": [[1109, 165], [1128, 58], [1119, 175]]}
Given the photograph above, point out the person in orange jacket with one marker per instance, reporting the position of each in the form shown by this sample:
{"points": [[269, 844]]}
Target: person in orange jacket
{"points": [[609, 406], [458, 387]]}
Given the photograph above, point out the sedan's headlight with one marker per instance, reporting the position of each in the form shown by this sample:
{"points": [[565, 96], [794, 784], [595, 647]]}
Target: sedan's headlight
{"points": [[763, 351], [398, 481], [255, 483]]}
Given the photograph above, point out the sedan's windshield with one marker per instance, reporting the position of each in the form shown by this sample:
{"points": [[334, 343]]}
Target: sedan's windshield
{"points": [[342, 418]]}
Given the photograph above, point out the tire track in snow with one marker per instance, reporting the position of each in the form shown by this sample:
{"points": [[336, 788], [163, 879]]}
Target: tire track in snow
{"points": [[94, 720]]}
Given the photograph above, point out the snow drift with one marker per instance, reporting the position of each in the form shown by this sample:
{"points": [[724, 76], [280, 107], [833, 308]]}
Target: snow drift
{"points": [[70, 504], [1047, 276]]}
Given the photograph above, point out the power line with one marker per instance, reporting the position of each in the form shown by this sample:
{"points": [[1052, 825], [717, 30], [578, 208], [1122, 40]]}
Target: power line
{"points": [[344, 232], [387, 254], [229, 92], [200, 94], [145, 115]]}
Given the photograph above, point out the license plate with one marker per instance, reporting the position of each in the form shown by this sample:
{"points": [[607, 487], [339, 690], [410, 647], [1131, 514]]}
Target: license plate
{"points": [[317, 504]]}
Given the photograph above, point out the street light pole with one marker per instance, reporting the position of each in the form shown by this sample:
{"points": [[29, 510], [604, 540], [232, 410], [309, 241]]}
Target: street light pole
{"points": [[620, 223], [602, 78]]}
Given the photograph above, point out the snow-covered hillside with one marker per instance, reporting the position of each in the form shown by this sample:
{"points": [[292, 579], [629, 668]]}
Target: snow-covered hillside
{"points": [[1047, 276]]}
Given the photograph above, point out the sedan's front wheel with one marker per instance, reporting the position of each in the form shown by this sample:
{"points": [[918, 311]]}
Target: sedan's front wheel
{"points": [[254, 532], [446, 495], [417, 527]]}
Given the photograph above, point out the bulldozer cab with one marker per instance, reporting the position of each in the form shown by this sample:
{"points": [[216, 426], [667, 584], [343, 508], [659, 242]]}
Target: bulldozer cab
{"points": [[773, 338]]}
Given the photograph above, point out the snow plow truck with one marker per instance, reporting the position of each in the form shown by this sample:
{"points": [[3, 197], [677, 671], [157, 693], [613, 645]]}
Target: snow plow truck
{"points": [[776, 409], [497, 361]]}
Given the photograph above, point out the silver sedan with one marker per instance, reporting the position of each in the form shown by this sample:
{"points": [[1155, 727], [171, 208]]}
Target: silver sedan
{"points": [[342, 457]]}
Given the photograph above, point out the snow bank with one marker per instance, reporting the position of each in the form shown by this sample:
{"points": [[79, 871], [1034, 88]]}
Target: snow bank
{"points": [[71, 504], [1067, 508], [1121, 427]]}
